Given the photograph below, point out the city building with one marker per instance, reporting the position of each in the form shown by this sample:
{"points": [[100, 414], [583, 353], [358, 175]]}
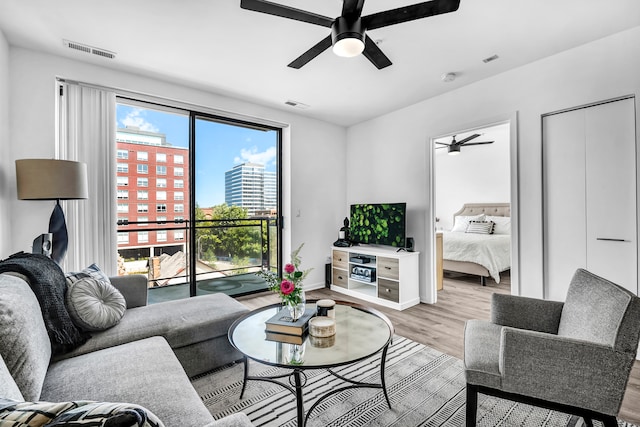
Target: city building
{"points": [[152, 188], [249, 186]]}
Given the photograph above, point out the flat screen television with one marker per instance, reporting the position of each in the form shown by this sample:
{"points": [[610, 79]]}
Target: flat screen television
{"points": [[378, 224]]}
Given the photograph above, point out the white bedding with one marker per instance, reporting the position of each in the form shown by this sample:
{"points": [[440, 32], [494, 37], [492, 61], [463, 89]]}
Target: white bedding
{"points": [[492, 251]]}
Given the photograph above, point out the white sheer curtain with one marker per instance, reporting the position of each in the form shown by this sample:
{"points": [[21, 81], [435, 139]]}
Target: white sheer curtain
{"points": [[87, 129]]}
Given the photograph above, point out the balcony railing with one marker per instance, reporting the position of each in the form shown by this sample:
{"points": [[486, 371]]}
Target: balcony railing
{"points": [[223, 251]]}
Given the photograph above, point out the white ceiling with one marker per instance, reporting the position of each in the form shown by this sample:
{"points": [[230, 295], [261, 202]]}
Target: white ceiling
{"points": [[214, 45]]}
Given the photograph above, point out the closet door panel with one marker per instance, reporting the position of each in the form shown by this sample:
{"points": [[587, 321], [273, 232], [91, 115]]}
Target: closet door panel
{"points": [[611, 192], [564, 200]]}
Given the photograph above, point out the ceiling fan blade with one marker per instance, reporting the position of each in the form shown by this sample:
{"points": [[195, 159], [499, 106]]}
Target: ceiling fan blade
{"points": [[469, 138], [478, 143], [316, 50], [286, 12], [373, 53], [352, 9], [442, 143], [409, 13]]}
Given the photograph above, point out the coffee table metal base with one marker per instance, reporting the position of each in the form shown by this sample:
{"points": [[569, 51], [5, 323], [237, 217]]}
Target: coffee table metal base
{"points": [[297, 379]]}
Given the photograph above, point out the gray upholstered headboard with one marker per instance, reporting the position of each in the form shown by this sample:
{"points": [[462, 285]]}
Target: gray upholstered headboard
{"points": [[493, 209]]}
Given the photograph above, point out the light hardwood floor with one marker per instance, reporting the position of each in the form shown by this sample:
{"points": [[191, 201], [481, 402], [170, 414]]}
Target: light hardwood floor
{"points": [[441, 325]]}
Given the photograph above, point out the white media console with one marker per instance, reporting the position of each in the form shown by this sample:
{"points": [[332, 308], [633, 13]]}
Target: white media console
{"points": [[379, 275]]}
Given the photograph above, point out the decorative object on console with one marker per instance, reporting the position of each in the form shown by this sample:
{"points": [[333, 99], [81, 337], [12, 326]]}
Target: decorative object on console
{"points": [[343, 235], [49, 179], [289, 287]]}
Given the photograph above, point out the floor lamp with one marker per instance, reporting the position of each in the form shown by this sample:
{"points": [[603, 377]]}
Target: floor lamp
{"points": [[48, 179]]}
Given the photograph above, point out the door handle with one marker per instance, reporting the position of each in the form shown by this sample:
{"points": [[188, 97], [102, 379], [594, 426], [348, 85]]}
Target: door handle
{"points": [[607, 239]]}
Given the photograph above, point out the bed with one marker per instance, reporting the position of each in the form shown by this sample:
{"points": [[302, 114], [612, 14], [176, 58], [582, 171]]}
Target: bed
{"points": [[484, 255]]}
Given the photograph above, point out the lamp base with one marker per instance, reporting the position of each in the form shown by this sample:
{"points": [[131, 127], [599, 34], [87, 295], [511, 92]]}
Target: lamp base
{"points": [[58, 228]]}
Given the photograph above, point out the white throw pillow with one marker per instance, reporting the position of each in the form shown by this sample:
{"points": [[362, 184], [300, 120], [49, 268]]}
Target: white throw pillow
{"points": [[503, 224], [94, 305], [462, 222]]}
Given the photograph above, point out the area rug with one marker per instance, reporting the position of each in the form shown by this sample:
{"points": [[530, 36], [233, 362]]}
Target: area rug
{"points": [[426, 388]]}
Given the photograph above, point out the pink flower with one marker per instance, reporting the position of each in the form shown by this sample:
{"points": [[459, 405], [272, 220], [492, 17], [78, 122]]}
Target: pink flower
{"points": [[286, 287], [289, 268]]}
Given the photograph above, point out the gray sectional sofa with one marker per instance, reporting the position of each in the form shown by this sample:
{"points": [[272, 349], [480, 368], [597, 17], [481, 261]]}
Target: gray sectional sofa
{"points": [[146, 359]]}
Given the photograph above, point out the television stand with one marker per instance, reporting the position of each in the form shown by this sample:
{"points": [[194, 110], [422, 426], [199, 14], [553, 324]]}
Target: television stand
{"points": [[389, 277]]}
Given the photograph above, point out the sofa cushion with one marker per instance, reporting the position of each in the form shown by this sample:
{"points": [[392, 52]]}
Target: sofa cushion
{"points": [[144, 372], [53, 414], [182, 322], [24, 342], [94, 305], [8, 386]]}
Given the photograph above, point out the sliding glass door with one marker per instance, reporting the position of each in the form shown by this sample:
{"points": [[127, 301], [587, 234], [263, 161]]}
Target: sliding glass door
{"points": [[198, 200]]}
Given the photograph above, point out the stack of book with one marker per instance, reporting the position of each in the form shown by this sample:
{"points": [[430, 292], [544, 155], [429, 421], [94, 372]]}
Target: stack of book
{"points": [[282, 328]]}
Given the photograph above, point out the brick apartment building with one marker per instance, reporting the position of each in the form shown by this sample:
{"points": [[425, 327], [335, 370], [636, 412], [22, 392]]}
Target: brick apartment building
{"points": [[152, 186]]}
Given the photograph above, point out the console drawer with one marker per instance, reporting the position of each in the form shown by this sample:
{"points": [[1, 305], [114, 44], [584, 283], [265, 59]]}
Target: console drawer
{"points": [[388, 268], [340, 259], [340, 278], [389, 290]]}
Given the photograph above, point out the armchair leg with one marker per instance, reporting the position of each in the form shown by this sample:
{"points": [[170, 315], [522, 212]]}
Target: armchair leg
{"points": [[472, 405]]}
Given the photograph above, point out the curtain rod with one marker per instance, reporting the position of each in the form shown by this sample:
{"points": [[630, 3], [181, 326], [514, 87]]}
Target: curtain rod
{"points": [[175, 103]]}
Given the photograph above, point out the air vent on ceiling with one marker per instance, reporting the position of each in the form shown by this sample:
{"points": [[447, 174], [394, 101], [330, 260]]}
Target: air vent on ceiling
{"points": [[297, 104], [491, 58], [89, 49]]}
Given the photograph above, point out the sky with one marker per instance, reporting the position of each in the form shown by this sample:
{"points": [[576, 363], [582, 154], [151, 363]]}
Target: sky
{"points": [[219, 146]]}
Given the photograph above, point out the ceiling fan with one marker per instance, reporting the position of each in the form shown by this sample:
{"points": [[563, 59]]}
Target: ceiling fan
{"points": [[454, 146], [348, 36]]}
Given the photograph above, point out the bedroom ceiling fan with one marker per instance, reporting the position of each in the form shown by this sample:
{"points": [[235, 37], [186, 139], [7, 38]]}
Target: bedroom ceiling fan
{"points": [[348, 36], [454, 146]]}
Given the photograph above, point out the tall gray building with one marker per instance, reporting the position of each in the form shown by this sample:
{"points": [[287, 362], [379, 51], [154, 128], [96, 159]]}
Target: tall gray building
{"points": [[249, 186]]}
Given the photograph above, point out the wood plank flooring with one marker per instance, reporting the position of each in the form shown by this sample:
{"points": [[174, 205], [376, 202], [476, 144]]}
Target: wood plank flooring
{"points": [[441, 325]]}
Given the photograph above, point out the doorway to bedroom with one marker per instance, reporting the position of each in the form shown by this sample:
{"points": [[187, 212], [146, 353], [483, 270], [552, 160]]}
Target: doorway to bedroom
{"points": [[472, 188]]}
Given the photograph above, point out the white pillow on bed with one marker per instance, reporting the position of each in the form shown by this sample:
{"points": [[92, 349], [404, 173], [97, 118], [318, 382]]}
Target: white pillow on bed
{"points": [[462, 222], [503, 224]]}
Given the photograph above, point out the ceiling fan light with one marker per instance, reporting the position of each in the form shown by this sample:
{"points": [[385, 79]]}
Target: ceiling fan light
{"points": [[454, 150], [348, 47], [347, 37]]}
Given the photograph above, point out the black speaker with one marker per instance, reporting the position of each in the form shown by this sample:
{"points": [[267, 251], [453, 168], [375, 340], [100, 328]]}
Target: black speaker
{"points": [[42, 244], [409, 245]]}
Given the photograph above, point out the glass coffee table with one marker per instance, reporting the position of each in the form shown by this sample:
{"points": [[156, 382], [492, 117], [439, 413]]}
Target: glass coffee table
{"points": [[361, 332]]}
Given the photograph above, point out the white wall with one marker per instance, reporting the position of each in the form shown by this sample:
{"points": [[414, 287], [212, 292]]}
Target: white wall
{"points": [[479, 174], [391, 150], [5, 148], [313, 149]]}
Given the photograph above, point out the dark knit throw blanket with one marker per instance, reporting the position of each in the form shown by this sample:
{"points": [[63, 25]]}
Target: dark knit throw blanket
{"points": [[49, 285]]}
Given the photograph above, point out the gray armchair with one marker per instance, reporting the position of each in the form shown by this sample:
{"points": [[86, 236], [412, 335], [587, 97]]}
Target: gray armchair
{"points": [[573, 357]]}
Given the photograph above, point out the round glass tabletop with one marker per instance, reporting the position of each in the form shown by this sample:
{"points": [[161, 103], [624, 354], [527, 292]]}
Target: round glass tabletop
{"points": [[360, 332]]}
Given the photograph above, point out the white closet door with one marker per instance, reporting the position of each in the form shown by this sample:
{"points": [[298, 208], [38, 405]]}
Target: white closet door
{"points": [[564, 200], [611, 192]]}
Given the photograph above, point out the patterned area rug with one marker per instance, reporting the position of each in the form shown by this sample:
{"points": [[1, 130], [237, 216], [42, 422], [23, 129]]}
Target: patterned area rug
{"points": [[426, 388]]}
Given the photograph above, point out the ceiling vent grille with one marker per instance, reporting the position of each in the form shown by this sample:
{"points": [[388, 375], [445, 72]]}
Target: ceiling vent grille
{"points": [[89, 49], [297, 104]]}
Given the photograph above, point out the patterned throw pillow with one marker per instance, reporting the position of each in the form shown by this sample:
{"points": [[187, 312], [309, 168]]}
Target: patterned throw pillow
{"points": [[480, 227], [78, 413], [91, 271]]}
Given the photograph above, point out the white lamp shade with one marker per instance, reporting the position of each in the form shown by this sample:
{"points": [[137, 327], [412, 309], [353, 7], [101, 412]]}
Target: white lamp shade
{"points": [[48, 179], [348, 47]]}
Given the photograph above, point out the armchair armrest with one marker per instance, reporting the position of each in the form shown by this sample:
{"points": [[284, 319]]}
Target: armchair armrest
{"points": [[133, 288], [564, 370], [526, 313]]}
